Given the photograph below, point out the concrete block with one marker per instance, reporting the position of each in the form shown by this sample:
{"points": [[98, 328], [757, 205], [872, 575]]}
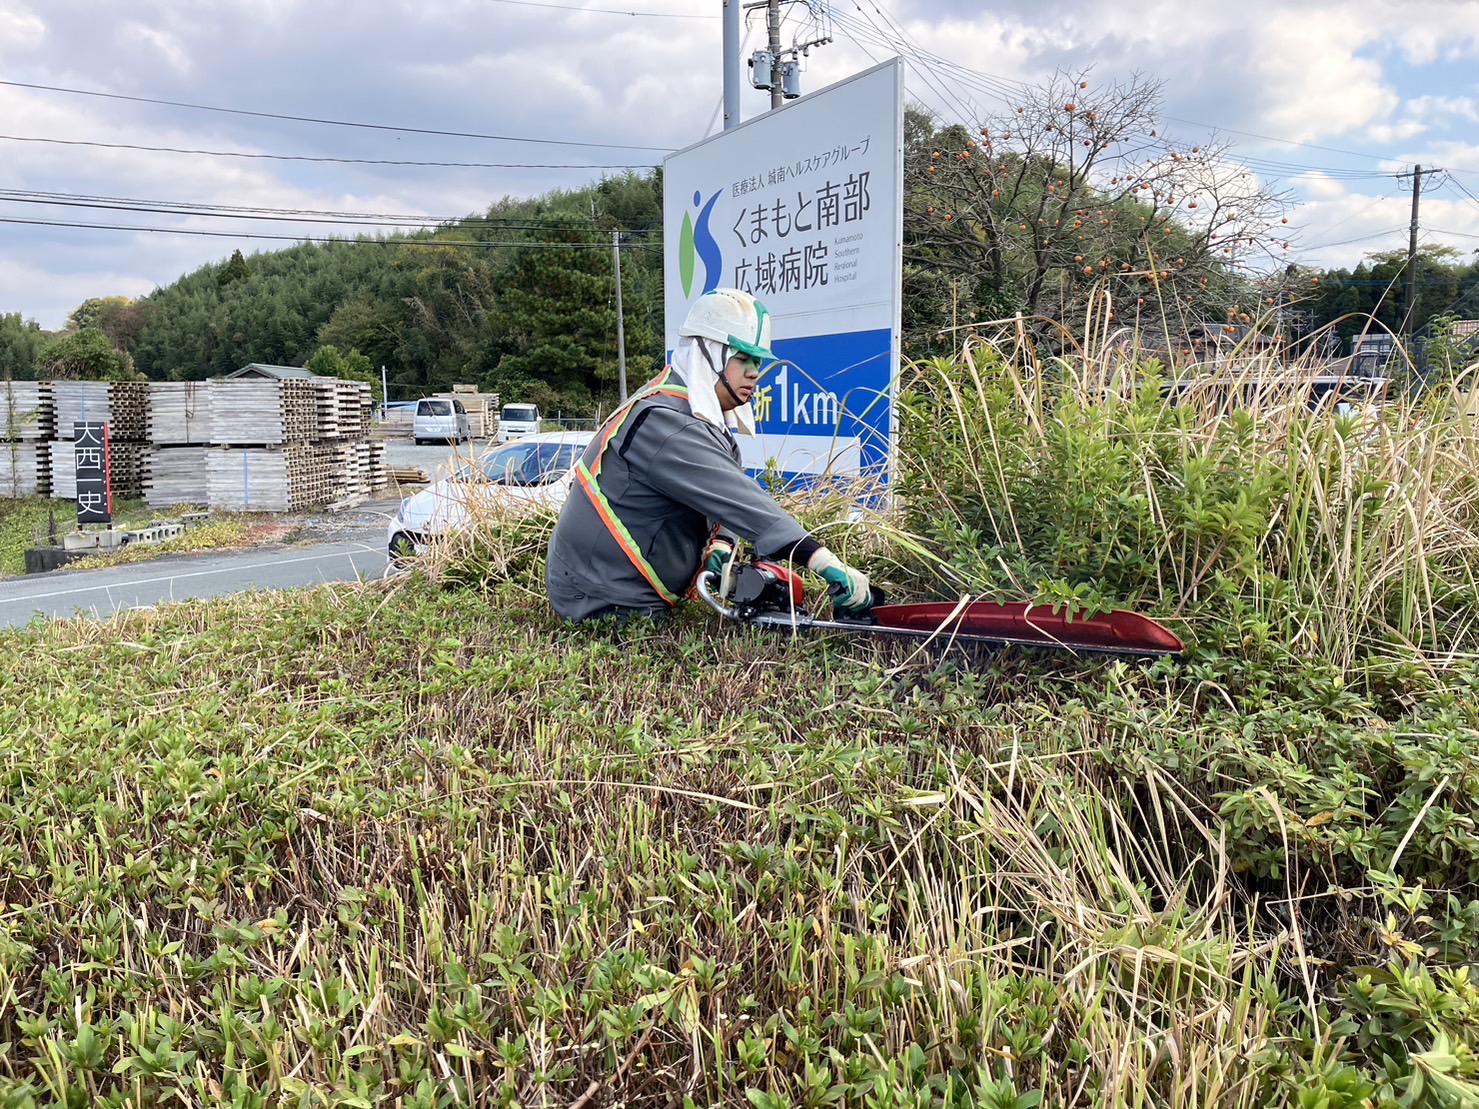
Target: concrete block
{"points": [[108, 540]]}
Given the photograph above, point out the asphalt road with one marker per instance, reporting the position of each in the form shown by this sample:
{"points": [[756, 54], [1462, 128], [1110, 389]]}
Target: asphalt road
{"points": [[104, 592], [357, 551]]}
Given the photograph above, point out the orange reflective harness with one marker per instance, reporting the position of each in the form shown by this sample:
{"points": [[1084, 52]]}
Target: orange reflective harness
{"points": [[588, 476]]}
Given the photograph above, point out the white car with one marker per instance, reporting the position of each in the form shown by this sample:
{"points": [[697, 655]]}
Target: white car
{"points": [[441, 419], [516, 421], [534, 470]]}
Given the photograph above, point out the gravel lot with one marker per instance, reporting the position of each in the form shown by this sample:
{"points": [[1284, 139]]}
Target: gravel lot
{"points": [[370, 518], [432, 458]]}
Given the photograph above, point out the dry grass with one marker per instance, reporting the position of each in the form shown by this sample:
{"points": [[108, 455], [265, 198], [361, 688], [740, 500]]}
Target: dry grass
{"points": [[1365, 526]]}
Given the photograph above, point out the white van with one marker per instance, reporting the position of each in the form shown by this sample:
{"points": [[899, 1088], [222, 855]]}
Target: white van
{"points": [[516, 421], [441, 418]]}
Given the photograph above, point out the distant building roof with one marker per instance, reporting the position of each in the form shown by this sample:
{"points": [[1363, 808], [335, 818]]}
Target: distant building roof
{"points": [[276, 373]]}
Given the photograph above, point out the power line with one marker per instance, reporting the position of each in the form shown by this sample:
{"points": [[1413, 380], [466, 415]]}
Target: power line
{"points": [[925, 62], [1451, 180], [166, 208], [1383, 283], [314, 239], [1359, 212], [329, 122], [908, 46], [300, 215], [315, 158], [997, 87], [1293, 169], [1359, 238], [1273, 138]]}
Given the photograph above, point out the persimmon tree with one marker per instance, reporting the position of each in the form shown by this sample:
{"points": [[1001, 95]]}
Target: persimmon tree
{"points": [[1075, 189]]}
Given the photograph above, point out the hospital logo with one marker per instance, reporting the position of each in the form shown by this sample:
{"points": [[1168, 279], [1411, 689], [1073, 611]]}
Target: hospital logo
{"points": [[696, 243]]}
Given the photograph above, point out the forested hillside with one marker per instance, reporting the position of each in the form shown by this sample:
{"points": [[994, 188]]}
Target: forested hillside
{"points": [[519, 300]]}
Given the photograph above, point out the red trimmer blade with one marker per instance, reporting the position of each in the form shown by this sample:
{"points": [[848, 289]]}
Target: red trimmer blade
{"points": [[1119, 631]]}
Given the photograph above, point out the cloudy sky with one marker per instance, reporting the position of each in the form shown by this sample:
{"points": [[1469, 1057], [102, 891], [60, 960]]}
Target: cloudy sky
{"points": [[1329, 100]]}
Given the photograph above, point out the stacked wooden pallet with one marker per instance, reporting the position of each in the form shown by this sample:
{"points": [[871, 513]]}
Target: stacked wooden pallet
{"points": [[273, 479], [253, 445], [347, 479], [375, 468], [128, 405], [262, 413], [125, 462], [25, 410], [359, 468], [361, 404], [321, 479], [396, 423], [175, 475], [247, 479], [25, 468], [75, 401], [343, 408], [62, 465], [179, 413], [326, 401]]}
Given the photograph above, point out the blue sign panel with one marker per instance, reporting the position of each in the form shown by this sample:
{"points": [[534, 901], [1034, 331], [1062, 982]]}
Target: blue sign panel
{"points": [[825, 407]]}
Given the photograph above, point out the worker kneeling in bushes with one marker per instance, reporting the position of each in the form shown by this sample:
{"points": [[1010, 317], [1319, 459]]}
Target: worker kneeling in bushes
{"points": [[660, 493]]}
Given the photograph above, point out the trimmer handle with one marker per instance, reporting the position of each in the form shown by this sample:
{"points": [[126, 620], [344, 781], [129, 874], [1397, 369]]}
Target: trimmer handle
{"points": [[876, 597]]}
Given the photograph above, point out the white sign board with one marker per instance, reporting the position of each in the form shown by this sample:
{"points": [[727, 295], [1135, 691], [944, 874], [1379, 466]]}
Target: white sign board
{"points": [[803, 207]]}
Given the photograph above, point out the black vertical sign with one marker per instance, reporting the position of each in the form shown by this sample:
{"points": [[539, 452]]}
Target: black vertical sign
{"points": [[94, 485]]}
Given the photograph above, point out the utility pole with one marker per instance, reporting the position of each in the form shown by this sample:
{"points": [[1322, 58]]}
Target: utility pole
{"points": [[621, 331], [1411, 299], [731, 64], [773, 33]]}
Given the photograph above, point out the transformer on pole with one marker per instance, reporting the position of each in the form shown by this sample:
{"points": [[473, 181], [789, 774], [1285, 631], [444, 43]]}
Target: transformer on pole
{"points": [[773, 68]]}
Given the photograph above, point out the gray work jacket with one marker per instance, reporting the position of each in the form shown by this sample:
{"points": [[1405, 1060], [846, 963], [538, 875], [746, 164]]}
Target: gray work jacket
{"points": [[666, 477]]}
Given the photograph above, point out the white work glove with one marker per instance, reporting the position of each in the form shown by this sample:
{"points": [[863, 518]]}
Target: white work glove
{"points": [[848, 587]]}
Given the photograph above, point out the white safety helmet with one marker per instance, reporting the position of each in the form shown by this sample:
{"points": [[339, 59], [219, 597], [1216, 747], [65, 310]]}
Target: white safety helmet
{"points": [[734, 318]]}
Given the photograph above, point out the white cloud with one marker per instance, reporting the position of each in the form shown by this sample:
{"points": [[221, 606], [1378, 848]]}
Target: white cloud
{"points": [[20, 29], [160, 44], [1435, 106], [1387, 133], [1319, 186], [20, 278], [1315, 93], [1428, 31], [1337, 226]]}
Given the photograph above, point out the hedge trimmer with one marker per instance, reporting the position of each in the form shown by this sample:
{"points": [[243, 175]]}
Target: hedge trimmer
{"points": [[767, 594]]}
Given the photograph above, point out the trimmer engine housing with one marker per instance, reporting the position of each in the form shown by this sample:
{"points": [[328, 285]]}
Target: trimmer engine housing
{"points": [[765, 587]]}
